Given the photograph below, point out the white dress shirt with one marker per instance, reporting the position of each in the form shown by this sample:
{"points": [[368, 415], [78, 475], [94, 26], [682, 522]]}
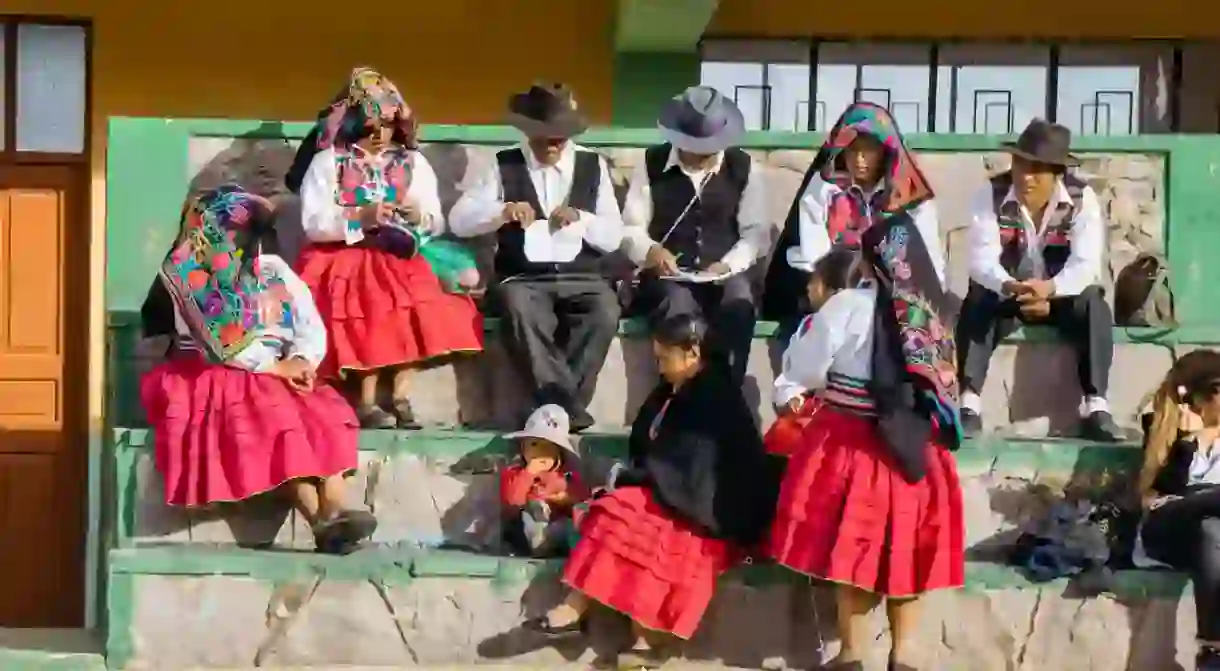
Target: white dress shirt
{"points": [[478, 211], [839, 340], [1083, 267], [306, 337], [812, 212], [753, 229], [325, 220]]}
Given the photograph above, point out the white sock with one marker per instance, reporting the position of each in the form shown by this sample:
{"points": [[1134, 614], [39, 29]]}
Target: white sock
{"points": [[1094, 404], [971, 401]]}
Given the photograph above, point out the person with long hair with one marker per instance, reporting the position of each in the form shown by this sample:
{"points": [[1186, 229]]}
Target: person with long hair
{"points": [[862, 173], [369, 204], [696, 493], [871, 500], [1180, 489], [237, 409]]}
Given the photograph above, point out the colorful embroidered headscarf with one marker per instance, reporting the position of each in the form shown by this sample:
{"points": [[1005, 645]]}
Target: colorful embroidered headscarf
{"points": [[368, 95], [850, 212], [212, 272], [914, 382]]}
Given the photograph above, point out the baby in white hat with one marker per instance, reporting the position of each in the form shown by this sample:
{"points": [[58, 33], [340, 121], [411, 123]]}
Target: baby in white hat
{"points": [[539, 490]]}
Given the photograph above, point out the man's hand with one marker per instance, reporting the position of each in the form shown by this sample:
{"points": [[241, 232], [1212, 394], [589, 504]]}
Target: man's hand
{"points": [[793, 406], [564, 216], [521, 213], [1034, 309], [661, 260], [718, 268], [1013, 288], [1038, 290]]}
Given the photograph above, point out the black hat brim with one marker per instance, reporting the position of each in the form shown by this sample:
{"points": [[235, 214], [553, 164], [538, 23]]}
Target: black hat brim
{"points": [[1067, 160]]}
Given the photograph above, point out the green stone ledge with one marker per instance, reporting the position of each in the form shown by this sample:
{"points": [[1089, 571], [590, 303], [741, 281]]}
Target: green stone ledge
{"points": [[401, 566], [128, 323], [987, 453], [50, 650]]}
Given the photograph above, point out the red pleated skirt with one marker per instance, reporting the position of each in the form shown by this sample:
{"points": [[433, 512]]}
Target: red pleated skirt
{"points": [[384, 310], [784, 436], [226, 434], [636, 557], [846, 514]]}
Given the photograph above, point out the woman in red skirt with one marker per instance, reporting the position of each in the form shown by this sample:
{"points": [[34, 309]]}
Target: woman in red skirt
{"points": [[365, 187], [871, 499], [237, 410], [697, 492]]}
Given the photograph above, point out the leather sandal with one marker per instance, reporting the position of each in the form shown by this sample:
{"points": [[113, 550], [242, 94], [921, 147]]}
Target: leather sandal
{"points": [[404, 415], [542, 625]]}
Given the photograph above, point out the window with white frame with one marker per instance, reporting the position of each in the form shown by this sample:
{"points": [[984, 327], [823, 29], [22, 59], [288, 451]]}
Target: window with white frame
{"points": [[951, 87]]}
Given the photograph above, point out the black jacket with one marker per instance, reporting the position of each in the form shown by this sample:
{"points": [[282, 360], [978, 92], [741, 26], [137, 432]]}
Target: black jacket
{"points": [[707, 463]]}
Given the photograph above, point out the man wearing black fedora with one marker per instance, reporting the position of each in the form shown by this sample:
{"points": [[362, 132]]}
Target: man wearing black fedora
{"points": [[696, 204], [1036, 245], [559, 314]]}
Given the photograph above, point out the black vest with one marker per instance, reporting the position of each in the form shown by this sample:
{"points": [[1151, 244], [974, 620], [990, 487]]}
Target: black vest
{"points": [[1056, 235], [519, 188], [709, 229]]}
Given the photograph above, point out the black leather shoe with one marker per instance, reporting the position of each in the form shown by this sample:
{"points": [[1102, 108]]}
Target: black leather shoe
{"points": [[972, 423], [1100, 427]]}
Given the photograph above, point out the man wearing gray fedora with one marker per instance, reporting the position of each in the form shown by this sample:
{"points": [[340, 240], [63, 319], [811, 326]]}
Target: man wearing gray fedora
{"points": [[696, 209], [559, 311], [1036, 242]]}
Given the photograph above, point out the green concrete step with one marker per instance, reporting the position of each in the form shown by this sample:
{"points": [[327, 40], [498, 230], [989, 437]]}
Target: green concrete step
{"points": [[51, 650], [210, 607], [437, 487]]}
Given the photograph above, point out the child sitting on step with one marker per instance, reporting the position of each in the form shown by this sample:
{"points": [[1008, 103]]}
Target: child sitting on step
{"points": [[795, 405], [540, 491]]}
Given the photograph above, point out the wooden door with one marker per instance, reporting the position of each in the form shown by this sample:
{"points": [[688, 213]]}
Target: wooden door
{"points": [[44, 242]]}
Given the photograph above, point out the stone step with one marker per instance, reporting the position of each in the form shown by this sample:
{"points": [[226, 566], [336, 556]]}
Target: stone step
{"points": [[433, 488], [51, 650], [213, 607]]}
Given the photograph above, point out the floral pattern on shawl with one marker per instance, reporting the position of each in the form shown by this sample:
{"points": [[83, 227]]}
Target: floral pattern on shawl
{"points": [[369, 95], [928, 351], [213, 277], [850, 212]]}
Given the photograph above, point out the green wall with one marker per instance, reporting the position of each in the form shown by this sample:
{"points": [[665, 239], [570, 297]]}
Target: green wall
{"points": [[644, 81]]}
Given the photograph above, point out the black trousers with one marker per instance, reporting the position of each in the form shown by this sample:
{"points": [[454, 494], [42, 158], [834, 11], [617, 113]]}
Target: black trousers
{"points": [[1084, 321], [727, 307], [1186, 535], [557, 332]]}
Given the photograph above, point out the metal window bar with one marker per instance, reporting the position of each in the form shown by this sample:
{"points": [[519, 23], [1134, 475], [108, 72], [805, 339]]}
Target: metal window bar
{"points": [[865, 95], [819, 115], [988, 106], [801, 112], [896, 111], [765, 93], [1115, 99], [1097, 108]]}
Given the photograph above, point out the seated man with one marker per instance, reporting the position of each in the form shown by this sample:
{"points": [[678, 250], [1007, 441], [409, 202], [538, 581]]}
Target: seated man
{"points": [[1036, 241], [559, 313], [694, 205]]}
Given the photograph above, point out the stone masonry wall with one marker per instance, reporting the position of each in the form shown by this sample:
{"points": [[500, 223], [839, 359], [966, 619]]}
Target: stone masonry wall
{"points": [[1131, 187]]}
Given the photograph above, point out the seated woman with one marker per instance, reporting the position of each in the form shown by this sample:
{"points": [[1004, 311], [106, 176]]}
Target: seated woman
{"points": [[237, 410], [871, 499], [1180, 487], [697, 492], [862, 174], [365, 185]]}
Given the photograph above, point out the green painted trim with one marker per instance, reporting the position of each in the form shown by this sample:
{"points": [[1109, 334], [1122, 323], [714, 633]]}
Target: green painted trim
{"points": [[133, 130], [662, 25], [120, 598], [33, 660], [288, 565], [374, 564]]}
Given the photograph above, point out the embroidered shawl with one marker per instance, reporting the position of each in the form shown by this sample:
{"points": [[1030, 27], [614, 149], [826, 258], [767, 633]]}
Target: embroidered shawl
{"points": [[212, 273], [914, 382]]}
